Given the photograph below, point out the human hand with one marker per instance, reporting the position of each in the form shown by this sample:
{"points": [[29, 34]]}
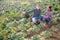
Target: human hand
{"points": [[23, 12], [46, 16]]}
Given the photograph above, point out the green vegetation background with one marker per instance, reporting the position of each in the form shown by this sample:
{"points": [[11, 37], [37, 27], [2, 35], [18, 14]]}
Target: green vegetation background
{"points": [[11, 19]]}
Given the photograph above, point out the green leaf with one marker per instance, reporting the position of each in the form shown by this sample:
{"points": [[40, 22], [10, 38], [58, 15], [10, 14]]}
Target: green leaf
{"points": [[58, 25], [36, 37], [53, 28], [35, 28], [46, 34]]}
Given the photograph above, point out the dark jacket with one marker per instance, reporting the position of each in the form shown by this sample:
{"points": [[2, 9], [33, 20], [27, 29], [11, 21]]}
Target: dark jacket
{"points": [[37, 12]]}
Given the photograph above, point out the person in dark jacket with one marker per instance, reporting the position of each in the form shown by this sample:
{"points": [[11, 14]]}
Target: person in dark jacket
{"points": [[37, 13]]}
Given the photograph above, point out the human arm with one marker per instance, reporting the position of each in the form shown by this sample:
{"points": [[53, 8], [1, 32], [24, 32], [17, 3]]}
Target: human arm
{"points": [[26, 12], [30, 11], [48, 14]]}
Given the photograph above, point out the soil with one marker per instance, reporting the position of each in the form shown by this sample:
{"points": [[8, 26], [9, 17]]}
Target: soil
{"points": [[47, 27]]}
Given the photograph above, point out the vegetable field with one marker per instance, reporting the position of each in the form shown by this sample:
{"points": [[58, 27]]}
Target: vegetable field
{"points": [[16, 26]]}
